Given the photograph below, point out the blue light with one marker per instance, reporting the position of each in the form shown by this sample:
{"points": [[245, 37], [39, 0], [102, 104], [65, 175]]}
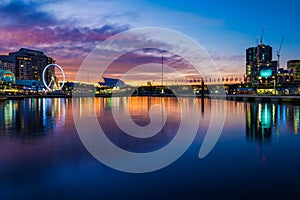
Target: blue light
{"points": [[266, 73]]}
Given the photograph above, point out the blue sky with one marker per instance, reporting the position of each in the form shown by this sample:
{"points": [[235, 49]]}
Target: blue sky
{"points": [[68, 30]]}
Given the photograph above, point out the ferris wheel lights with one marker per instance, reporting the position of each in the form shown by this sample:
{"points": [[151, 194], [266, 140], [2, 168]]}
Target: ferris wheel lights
{"points": [[53, 77]]}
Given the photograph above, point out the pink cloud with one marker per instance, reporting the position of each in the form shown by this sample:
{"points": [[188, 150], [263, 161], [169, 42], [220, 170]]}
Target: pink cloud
{"points": [[27, 25]]}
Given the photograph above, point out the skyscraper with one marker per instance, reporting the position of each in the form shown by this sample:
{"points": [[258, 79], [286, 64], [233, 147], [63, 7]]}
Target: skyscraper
{"points": [[259, 64], [29, 64]]}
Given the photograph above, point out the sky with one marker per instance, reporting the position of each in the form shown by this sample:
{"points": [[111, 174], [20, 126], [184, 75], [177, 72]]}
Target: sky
{"points": [[68, 30]]}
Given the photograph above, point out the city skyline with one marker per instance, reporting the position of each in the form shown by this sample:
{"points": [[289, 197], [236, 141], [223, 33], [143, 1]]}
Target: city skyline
{"points": [[68, 31]]}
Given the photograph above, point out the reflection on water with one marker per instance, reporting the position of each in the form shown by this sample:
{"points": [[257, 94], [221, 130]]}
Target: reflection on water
{"points": [[32, 116], [41, 116], [264, 120], [168, 117], [44, 158]]}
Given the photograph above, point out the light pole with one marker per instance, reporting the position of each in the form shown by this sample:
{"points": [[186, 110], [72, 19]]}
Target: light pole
{"points": [[274, 86]]}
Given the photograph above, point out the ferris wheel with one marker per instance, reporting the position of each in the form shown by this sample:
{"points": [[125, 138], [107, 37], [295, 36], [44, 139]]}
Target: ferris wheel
{"points": [[53, 84]]}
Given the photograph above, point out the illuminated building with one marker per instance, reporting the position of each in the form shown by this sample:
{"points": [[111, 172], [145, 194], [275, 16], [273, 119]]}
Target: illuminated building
{"points": [[294, 67], [112, 82], [7, 77], [283, 75], [260, 68], [7, 64], [29, 64]]}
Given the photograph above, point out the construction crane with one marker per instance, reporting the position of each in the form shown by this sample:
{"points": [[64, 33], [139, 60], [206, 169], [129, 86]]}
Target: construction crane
{"points": [[278, 52], [262, 34], [257, 49]]}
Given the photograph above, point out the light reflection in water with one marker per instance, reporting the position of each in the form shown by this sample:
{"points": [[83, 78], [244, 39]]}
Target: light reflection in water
{"points": [[296, 120], [32, 116], [264, 119], [47, 163]]}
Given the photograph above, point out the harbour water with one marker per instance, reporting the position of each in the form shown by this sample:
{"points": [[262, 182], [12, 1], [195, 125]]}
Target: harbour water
{"points": [[42, 156]]}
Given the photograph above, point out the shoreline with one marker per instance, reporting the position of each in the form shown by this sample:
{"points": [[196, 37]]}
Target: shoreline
{"points": [[243, 98], [265, 98]]}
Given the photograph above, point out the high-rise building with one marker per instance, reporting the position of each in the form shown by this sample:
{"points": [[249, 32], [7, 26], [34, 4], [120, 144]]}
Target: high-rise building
{"points": [[259, 65], [294, 67], [29, 64]]}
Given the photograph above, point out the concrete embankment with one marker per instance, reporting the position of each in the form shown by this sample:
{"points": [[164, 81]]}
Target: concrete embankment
{"points": [[264, 98]]}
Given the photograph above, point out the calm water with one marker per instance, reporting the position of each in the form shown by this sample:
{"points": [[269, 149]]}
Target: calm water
{"points": [[41, 155]]}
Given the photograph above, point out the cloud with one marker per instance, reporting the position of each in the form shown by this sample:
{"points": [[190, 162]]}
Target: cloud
{"points": [[229, 64], [20, 13], [68, 30], [26, 24], [58, 34], [149, 63]]}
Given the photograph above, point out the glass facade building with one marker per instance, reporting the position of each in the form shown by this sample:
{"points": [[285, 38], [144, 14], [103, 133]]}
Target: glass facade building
{"points": [[259, 65]]}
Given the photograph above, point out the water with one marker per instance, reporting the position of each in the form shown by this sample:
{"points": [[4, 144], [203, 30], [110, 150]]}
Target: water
{"points": [[42, 156]]}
